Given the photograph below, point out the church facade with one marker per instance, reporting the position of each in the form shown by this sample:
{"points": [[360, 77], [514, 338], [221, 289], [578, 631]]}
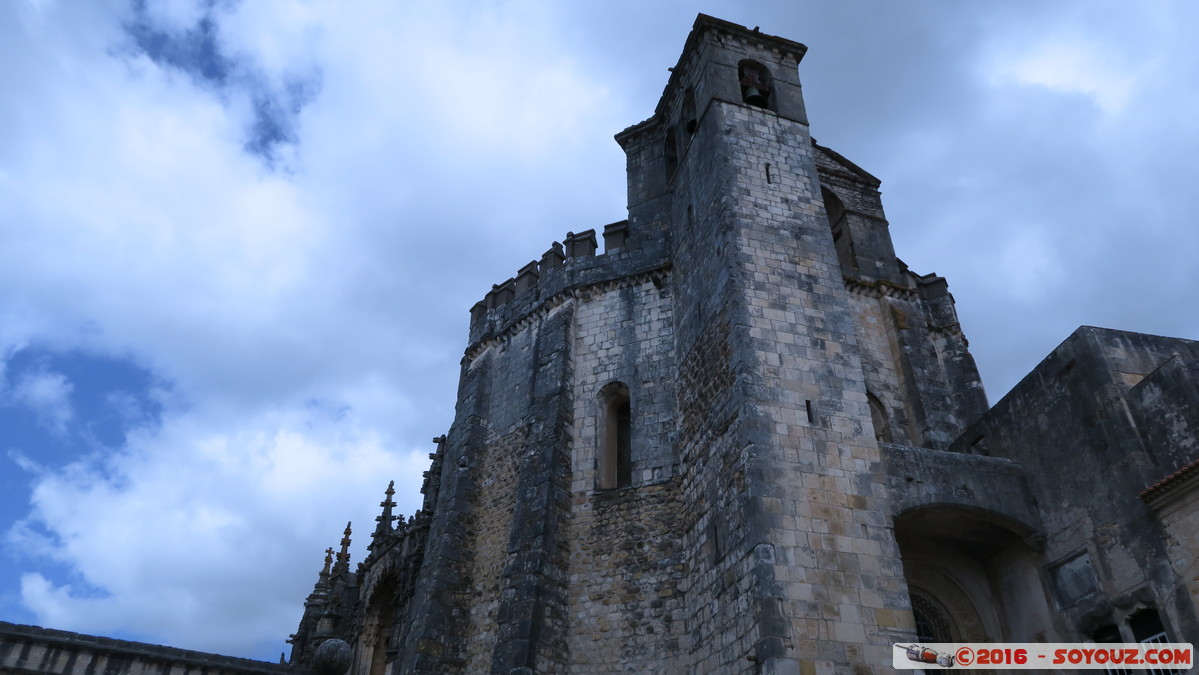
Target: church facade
{"points": [[745, 438]]}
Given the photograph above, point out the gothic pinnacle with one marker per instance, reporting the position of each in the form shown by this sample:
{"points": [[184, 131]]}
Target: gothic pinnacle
{"points": [[322, 580], [343, 557], [384, 527]]}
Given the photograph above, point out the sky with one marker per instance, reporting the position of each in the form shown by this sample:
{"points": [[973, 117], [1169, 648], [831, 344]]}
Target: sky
{"points": [[239, 242]]}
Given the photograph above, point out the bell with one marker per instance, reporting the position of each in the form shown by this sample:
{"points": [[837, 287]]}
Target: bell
{"points": [[754, 96]]}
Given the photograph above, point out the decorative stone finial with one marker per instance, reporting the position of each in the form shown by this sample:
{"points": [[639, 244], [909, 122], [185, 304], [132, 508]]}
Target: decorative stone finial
{"points": [[332, 657]]}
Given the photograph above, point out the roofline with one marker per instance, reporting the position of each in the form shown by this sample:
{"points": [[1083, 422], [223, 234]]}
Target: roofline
{"points": [[1170, 482], [838, 157]]}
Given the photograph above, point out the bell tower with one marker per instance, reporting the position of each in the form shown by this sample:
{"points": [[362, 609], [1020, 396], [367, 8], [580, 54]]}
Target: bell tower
{"points": [[788, 531]]}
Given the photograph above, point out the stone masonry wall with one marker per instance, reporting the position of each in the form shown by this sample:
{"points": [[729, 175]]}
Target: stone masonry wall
{"points": [[881, 363], [716, 527], [791, 533], [915, 362], [626, 610], [495, 502], [625, 562], [913, 352], [624, 334], [517, 472], [1069, 421], [820, 486]]}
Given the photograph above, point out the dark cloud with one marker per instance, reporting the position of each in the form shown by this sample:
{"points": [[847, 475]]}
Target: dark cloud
{"points": [[195, 50], [199, 51]]}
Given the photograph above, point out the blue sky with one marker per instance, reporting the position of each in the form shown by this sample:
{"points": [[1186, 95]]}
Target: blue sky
{"points": [[239, 240]]}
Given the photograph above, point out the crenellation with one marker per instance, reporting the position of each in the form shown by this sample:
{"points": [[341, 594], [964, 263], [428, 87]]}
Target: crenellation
{"points": [[526, 278], [615, 236], [581, 245], [560, 268], [553, 258]]}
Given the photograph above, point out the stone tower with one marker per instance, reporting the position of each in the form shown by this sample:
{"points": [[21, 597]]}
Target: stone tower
{"points": [[666, 456], [717, 445], [798, 341]]}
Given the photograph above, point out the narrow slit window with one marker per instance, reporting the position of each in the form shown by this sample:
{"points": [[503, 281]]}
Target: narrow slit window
{"points": [[624, 460], [838, 220], [615, 457], [690, 124], [671, 153], [878, 416]]}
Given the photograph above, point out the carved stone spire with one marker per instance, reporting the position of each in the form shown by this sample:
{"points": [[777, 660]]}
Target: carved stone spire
{"points": [[385, 520], [319, 597], [343, 557]]}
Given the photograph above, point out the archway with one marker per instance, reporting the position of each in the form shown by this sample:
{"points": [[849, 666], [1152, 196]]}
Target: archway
{"points": [[972, 575]]}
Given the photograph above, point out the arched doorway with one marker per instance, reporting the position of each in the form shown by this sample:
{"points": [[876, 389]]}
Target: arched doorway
{"points": [[972, 576], [377, 648]]}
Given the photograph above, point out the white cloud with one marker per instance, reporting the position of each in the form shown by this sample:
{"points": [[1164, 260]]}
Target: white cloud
{"points": [[297, 319], [1073, 65], [187, 527], [47, 395]]}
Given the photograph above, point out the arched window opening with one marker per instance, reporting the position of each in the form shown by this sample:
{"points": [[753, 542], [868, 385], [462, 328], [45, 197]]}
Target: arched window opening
{"points": [[756, 83], [932, 622], [615, 462], [671, 153], [838, 221], [878, 415], [690, 124]]}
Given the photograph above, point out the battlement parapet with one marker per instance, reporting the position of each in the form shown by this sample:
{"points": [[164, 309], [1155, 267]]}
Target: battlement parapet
{"points": [[574, 262]]}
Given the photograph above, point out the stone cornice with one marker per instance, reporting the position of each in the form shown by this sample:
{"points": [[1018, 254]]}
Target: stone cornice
{"points": [[878, 289]]}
